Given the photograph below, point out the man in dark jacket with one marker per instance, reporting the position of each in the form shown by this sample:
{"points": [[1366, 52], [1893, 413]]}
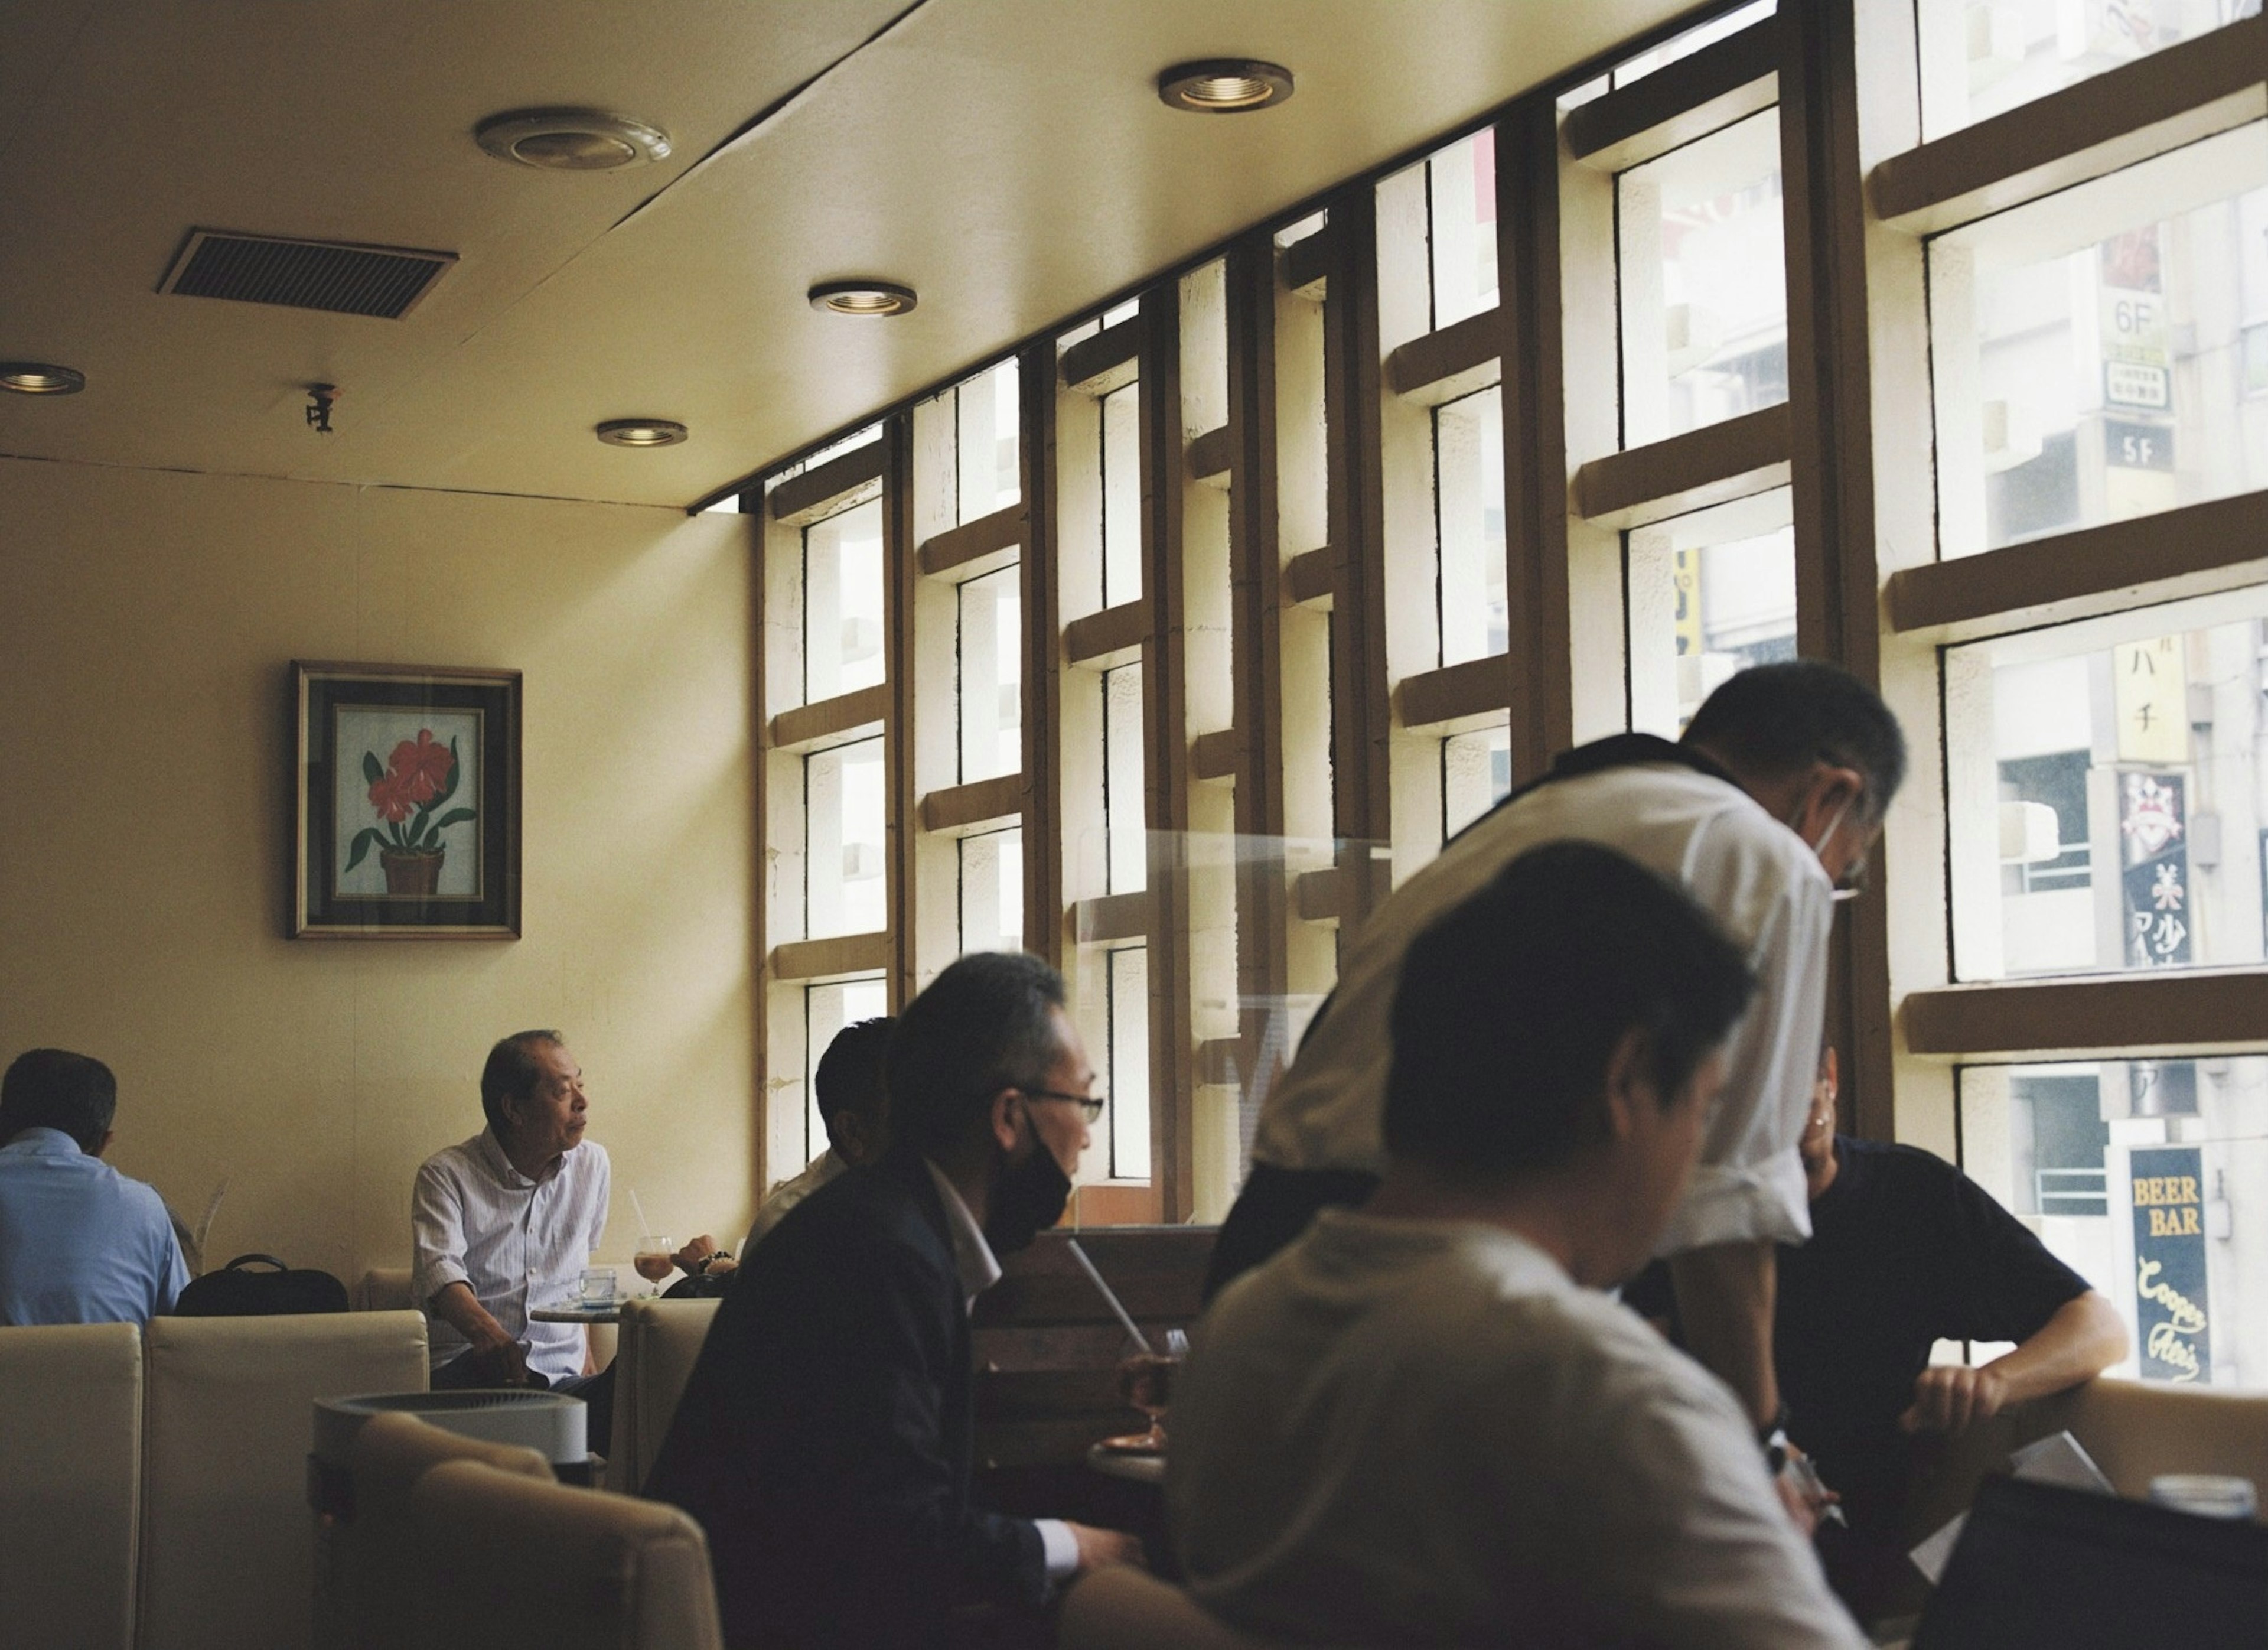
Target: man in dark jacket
{"points": [[824, 1438]]}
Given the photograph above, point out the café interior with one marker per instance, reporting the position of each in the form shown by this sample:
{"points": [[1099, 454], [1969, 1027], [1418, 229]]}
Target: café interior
{"points": [[1127, 482]]}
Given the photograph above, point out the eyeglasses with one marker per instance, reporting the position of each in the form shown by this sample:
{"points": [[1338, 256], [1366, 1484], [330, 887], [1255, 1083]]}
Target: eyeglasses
{"points": [[1089, 1105]]}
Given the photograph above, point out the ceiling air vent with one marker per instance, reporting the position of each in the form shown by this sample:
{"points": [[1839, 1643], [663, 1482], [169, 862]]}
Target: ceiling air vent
{"points": [[346, 280]]}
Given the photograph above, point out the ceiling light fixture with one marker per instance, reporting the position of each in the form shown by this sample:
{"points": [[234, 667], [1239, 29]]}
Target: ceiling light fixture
{"points": [[570, 140], [38, 378], [642, 433], [1224, 85], [862, 298]]}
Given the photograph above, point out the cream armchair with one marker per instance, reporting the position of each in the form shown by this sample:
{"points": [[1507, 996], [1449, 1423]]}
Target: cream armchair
{"points": [[512, 1564], [71, 1471], [367, 1574], [227, 1543], [660, 1341]]}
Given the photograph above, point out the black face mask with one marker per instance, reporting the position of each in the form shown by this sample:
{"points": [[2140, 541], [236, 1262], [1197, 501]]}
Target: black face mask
{"points": [[1027, 1198]]}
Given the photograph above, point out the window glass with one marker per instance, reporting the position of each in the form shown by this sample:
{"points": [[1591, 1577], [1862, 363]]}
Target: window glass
{"points": [[844, 885], [1468, 520], [827, 1009], [1121, 495], [1476, 775], [1125, 818], [1129, 1125], [1461, 216], [2094, 352], [1981, 57], [991, 675], [2143, 1177], [2103, 789], [992, 891], [1710, 593], [1703, 283], [988, 476], [843, 602]]}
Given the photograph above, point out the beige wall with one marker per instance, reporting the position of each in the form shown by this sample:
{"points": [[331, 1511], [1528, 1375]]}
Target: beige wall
{"points": [[147, 624]]}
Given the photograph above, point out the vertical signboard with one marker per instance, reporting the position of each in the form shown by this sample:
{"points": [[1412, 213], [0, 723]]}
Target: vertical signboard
{"points": [[2154, 869], [2137, 375], [2170, 1301]]}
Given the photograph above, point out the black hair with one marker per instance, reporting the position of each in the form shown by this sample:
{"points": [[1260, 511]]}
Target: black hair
{"points": [[985, 1024], [54, 1088], [1779, 718], [512, 1073], [849, 1074], [1511, 1006]]}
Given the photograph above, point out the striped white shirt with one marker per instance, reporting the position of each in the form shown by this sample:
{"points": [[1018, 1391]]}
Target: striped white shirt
{"points": [[475, 1219]]}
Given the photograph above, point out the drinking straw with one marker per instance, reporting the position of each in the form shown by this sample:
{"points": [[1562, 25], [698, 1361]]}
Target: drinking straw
{"points": [[1079, 1255], [638, 1208]]}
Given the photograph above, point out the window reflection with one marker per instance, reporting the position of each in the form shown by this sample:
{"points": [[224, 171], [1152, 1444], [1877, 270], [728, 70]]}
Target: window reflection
{"points": [[2141, 1175], [844, 883], [843, 602], [1703, 283]]}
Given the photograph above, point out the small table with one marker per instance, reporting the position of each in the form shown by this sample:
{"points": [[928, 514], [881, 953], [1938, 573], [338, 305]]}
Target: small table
{"points": [[1134, 1468], [609, 1313]]}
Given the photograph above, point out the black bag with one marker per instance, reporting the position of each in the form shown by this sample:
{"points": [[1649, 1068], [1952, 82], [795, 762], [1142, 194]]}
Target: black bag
{"points": [[234, 1292]]}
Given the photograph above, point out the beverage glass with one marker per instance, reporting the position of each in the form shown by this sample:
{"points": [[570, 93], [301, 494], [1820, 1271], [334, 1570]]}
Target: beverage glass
{"points": [[1145, 1381], [651, 1259], [596, 1288]]}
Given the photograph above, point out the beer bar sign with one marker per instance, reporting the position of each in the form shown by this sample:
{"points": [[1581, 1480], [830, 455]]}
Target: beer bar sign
{"points": [[2170, 1299]]}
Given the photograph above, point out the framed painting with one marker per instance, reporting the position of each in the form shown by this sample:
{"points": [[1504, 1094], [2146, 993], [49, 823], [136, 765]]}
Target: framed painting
{"points": [[408, 803]]}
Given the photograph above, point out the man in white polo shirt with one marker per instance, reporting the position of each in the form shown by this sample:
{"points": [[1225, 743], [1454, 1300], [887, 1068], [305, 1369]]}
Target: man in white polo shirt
{"points": [[507, 1220], [1770, 801]]}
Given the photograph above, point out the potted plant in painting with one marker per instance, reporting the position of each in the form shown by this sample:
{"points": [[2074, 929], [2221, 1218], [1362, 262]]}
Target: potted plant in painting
{"points": [[408, 794]]}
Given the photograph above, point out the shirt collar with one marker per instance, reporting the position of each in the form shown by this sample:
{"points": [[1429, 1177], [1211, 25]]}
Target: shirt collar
{"points": [[972, 1257], [45, 1143], [490, 1151]]}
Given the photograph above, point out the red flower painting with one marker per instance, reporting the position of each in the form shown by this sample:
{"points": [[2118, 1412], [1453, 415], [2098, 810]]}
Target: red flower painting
{"points": [[407, 793]]}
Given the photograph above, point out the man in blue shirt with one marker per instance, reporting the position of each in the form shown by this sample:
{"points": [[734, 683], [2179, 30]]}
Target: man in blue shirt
{"points": [[79, 1242]]}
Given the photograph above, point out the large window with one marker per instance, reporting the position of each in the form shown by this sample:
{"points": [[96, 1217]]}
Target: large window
{"points": [[1168, 645]]}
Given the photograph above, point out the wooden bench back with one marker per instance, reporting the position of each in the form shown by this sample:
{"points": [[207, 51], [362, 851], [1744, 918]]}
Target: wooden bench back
{"points": [[1047, 1347]]}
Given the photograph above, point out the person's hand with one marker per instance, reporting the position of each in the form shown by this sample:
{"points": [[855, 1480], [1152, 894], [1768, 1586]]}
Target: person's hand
{"points": [[502, 1361], [689, 1259], [1098, 1548], [1807, 1500], [1951, 1397]]}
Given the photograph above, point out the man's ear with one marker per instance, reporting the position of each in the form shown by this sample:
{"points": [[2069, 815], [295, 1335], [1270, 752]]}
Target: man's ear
{"points": [[1629, 1083], [1007, 1119], [1835, 794]]}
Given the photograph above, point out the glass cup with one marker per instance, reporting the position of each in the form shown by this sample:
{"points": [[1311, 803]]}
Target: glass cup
{"points": [[1145, 1381], [596, 1286], [651, 1260], [2208, 1495]]}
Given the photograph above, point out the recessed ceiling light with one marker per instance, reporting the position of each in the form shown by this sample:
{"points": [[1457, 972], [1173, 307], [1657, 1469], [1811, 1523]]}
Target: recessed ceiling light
{"points": [[862, 298], [1225, 85], [642, 433], [570, 140], [38, 378]]}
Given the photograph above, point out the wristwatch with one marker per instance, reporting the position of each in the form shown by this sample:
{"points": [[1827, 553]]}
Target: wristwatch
{"points": [[706, 1261], [1774, 1439]]}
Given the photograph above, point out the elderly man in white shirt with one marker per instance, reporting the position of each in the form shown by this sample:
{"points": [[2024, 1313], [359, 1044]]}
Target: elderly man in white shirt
{"points": [[1424, 1423], [508, 1219], [1770, 801]]}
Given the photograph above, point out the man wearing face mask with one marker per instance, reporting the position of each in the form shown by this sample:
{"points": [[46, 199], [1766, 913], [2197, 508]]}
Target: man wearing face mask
{"points": [[824, 1440], [1764, 812]]}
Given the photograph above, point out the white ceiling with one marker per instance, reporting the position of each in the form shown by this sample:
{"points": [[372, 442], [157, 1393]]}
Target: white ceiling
{"points": [[1007, 158]]}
